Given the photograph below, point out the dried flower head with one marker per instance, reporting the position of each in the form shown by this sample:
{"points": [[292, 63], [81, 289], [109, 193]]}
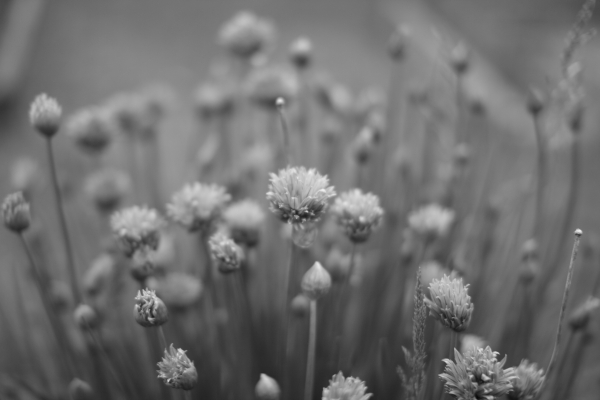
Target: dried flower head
{"points": [[450, 304], [301, 52], [358, 214], [341, 388], [316, 282], [15, 210], [149, 310], [431, 221], [179, 291], [107, 188], [197, 206], [176, 369], [477, 375], [226, 253], [137, 228], [245, 35], [45, 115], [298, 195], [267, 388], [527, 382], [244, 220], [265, 85], [91, 128]]}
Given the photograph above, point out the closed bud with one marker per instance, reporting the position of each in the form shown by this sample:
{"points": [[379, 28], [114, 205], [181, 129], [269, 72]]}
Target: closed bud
{"points": [[15, 211], [363, 145], [267, 388], [530, 250], [149, 310], [460, 58], [45, 115], [85, 316], [316, 282], [80, 390], [535, 102], [300, 305], [301, 53]]}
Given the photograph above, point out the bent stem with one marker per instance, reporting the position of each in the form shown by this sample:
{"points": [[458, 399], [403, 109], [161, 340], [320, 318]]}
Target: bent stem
{"points": [[312, 342]]}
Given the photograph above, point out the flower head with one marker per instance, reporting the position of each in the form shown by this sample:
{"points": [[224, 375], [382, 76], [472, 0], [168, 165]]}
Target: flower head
{"points": [[358, 214], [450, 304], [92, 129], [137, 228], [301, 52], [246, 35], [527, 382], [266, 85], [212, 99], [316, 282], [15, 210], [85, 316], [98, 276], [226, 253], [244, 220], [80, 390], [107, 188], [198, 205], [267, 388], [149, 310], [298, 195], [581, 315], [178, 290], [341, 388], [176, 369], [45, 115], [23, 174], [431, 220]]}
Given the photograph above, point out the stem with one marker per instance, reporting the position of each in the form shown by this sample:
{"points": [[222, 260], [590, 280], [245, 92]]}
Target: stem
{"points": [[558, 383], [312, 342], [161, 337], [453, 343], [187, 395], [541, 177], [285, 130], [287, 282], [63, 224]]}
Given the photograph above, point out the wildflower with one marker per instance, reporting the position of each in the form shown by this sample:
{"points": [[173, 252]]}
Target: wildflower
{"points": [[80, 390], [450, 304], [60, 295], [397, 43], [197, 206], [527, 382], [468, 342], [372, 99], [99, 274], [298, 195], [300, 305], [137, 228], [128, 113], [265, 85], [301, 53], [213, 99], [85, 316], [431, 270], [92, 129], [581, 316], [363, 145], [149, 310], [226, 253], [45, 115], [341, 388], [431, 220], [316, 282], [244, 220], [267, 388], [358, 214], [107, 188], [15, 210], [460, 58], [178, 290], [245, 35], [477, 375], [23, 174], [536, 102], [337, 264], [176, 369]]}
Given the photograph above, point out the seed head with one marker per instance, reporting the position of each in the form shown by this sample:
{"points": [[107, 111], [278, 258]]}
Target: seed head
{"points": [[245, 35], [197, 206], [92, 129], [107, 188], [527, 382], [226, 253], [301, 53], [265, 85], [85, 316], [298, 195], [341, 388], [16, 213], [267, 388], [149, 310], [358, 214], [244, 220], [179, 291], [176, 369], [581, 316], [80, 390], [431, 221], [136, 228], [45, 115], [450, 304], [316, 282]]}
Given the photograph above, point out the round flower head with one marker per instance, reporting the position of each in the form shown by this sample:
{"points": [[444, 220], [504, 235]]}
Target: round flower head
{"points": [[149, 309], [15, 210], [107, 189], [213, 99], [267, 388], [300, 305], [298, 195], [137, 228], [477, 375], [266, 85], [527, 382], [197, 206], [99, 275], [128, 112], [85, 316], [341, 388], [245, 35], [80, 390], [316, 282], [244, 220], [301, 52], [431, 220], [581, 316], [363, 145], [23, 174], [176, 369], [226, 253], [358, 214], [45, 115], [178, 290], [450, 304], [92, 129]]}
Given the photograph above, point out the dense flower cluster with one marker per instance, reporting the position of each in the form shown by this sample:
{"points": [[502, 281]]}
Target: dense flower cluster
{"points": [[45, 115], [244, 220], [177, 370], [431, 220], [149, 310], [450, 304], [15, 211], [527, 382], [341, 388], [226, 253], [197, 206], [137, 228], [358, 214], [246, 35]]}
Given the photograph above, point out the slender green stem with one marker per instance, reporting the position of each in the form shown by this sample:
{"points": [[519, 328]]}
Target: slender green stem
{"points": [[187, 395], [63, 224], [312, 346], [287, 289], [453, 344], [285, 130], [541, 177], [161, 338], [568, 351]]}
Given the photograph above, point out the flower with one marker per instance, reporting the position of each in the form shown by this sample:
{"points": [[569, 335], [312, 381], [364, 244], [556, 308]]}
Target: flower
{"points": [[316, 282], [176, 369], [581, 315], [196, 206], [298, 195], [267, 388], [468, 342], [80, 390], [99, 275], [477, 375], [128, 112], [137, 228], [450, 304], [45, 115], [226, 253], [363, 144], [107, 188], [246, 35], [527, 382], [358, 214], [178, 290], [212, 99], [300, 305], [301, 52], [341, 388], [15, 210], [244, 220], [92, 129], [265, 85], [149, 310], [431, 220], [85, 316]]}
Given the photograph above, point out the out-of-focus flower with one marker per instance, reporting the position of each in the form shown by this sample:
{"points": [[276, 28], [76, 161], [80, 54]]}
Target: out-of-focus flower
{"points": [[60, 295], [45, 115], [177, 370], [85, 316], [301, 52], [128, 112], [99, 274], [460, 58], [213, 99], [527, 382], [23, 174], [178, 290], [316, 282], [358, 214], [372, 99], [149, 310], [156, 100], [536, 101], [300, 305], [341, 388], [16, 213], [92, 129], [137, 228], [267, 388], [298, 195], [468, 342], [431, 270], [80, 390], [226, 253], [581, 316], [450, 303], [477, 375], [363, 145], [431, 221], [245, 35], [397, 43], [338, 264], [244, 220], [197, 206], [107, 188], [267, 84]]}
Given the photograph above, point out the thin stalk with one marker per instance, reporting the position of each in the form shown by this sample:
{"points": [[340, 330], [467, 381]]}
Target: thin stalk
{"points": [[453, 344], [63, 224], [187, 395], [285, 130], [161, 337], [558, 382], [541, 177], [287, 282], [576, 364], [312, 345]]}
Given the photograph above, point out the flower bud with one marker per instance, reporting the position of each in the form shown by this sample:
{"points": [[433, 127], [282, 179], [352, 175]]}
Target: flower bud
{"points": [[301, 53], [177, 370], [60, 296], [535, 102], [530, 250], [267, 388], [227, 255], [316, 282], [45, 115], [581, 316], [15, 211], [397, 43], [300, 305], [150, 310], [85, 316], [460, 59], [80, 390]]}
